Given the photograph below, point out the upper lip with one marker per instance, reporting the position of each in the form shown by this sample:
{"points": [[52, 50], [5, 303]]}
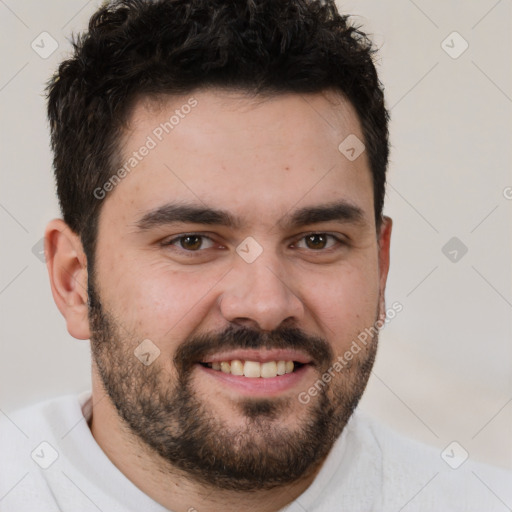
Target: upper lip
{"points": [[261, 356]]}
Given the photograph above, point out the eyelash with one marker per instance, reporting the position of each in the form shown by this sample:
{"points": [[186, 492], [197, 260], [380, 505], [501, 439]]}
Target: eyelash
{"points": [[190, 253]]}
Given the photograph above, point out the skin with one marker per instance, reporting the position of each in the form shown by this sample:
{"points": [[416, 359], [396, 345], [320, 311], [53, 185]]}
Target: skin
{"points": [[260, 159]]}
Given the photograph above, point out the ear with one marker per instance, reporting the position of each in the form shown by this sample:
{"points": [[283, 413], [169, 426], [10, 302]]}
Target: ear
{"points": [[384, 242], [67, 268]]}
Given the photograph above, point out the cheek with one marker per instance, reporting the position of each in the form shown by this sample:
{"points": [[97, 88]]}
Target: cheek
{"points": [[344, 302], [161, 303]]}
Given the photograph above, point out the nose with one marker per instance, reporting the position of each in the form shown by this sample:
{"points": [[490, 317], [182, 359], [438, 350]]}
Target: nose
{"points": [[259, 295]]}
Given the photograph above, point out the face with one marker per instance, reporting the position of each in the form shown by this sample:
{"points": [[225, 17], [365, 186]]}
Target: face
{"points": [[242, 247]]}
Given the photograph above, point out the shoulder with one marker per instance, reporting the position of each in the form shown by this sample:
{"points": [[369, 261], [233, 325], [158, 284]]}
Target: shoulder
{"points": [[426, 477], [48, 418], [29, 444]]}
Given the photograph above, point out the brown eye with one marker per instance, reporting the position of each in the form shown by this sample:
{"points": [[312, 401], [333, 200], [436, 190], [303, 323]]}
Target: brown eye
{"points": [[316, 241], [319, 241], [191, 242]]}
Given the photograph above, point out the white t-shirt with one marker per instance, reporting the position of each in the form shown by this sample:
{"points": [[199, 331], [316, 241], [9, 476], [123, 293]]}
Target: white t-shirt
{"points": [[49, 462]]}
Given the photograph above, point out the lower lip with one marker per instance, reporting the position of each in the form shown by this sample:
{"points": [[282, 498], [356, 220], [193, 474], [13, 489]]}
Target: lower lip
{"points": [[258, 385]]}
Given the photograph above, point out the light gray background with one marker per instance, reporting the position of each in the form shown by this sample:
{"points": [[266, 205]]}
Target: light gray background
{"points": [[444, 368]]}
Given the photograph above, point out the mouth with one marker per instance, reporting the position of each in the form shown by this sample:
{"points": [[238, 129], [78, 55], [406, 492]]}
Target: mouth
{"points": [[254, 369], [257, 373]]}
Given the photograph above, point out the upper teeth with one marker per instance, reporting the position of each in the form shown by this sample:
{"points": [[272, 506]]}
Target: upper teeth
{"points": [[254, 368]]}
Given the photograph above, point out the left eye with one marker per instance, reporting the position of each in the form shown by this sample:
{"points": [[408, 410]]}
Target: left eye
{"points": [[191, 242], [319, 241]]}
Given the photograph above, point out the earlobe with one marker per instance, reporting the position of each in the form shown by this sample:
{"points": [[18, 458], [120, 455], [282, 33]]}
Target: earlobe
{"points": [[67, 268], [384, 256]]}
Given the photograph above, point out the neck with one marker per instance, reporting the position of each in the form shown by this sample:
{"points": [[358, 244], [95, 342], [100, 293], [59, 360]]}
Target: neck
{"points": [[169, 486]]}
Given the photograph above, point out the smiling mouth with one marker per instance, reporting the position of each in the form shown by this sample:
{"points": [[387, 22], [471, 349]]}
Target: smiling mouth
{"points": [[254, 369]]}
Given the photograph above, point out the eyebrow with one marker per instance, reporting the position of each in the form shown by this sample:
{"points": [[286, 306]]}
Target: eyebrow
{"points": [[170, 213]]}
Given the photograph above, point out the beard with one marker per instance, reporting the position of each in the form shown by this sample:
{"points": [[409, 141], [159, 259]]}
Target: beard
{"points": [[162, 409]]}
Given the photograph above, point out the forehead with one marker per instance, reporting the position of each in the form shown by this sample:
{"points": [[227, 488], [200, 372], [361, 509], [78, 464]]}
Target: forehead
{"points": [[256, 156]]}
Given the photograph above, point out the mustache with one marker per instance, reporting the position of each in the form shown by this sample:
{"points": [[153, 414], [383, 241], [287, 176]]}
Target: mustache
{"points": [[197, 347]]}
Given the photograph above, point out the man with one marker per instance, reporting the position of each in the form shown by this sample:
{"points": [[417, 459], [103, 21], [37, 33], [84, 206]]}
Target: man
{"points": [[221, 169]]}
